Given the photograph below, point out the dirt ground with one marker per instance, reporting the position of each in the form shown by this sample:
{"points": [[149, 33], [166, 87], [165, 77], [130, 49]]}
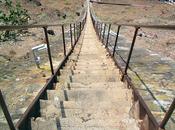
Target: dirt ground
{"points": [[148, 12], [20, 79]]}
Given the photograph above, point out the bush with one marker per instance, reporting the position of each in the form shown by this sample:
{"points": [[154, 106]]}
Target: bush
{"points": [[15, 15]]}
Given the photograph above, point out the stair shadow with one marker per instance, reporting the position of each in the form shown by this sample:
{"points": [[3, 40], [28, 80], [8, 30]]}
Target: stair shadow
{"points": [[62, 109]]}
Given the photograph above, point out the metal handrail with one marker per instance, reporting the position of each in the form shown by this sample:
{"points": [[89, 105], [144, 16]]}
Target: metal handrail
{"points": [[33, 109], [96, 22], [153, 26], [6, 112], [18, 27], [120, 4]]}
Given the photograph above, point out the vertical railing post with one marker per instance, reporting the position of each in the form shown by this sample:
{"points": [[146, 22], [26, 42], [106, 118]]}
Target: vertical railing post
{"points": [[98, 29], [80, 28], [77, 32], [130, 52], [116, 40], [101, 30], [96, 22], [6, 112], [74, 35], [48, 50], [71, 35], [168, 115], [64, 43], [104, 30], [109, 29]]}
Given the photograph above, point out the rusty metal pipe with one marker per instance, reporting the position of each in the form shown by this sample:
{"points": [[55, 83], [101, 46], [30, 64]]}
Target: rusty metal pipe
{"points": [[48, 50], [6, 112], [168, 115], [116, 40], [107, 41], [130, 52]]}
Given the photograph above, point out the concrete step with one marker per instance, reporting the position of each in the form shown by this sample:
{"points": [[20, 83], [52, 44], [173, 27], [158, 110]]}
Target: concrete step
{"points": [[56, 95], [49, 109], [95, 60], [94, 69], [88, 79], [81, 122], [96, 94], [44, 124], [97, 85], [101, 112], [94, 64], [87, 128], [114, 72], [89, 67]]}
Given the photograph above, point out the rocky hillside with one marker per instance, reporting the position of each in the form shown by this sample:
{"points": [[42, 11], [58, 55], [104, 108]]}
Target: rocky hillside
{"points": [[50, 11]]}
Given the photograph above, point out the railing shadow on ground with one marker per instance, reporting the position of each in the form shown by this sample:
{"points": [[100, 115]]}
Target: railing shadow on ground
{"points": [[103, 30], [71, 33]]}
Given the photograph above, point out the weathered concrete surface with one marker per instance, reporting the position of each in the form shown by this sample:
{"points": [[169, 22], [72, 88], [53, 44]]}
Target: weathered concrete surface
{"points": [[89, 94], [95, 97]]}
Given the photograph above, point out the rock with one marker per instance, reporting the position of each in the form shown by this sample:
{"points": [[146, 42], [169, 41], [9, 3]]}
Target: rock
{"points": [[33, 88], [58, 12], [64, 16], [36, 2], [43, 75], [170, 42], [51, 32], [78, 13]]}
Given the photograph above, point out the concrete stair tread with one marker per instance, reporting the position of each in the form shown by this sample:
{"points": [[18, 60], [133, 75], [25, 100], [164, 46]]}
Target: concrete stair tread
{"points": [[73, 105], [121, 124], [74, 122], [88, 79], [44, 124], [97, 85], [87, 128], [96, 95], [94, 69]]}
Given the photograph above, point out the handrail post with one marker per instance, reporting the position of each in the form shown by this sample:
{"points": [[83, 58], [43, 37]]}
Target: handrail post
{"points": [[77, 32], [74, 35], [116, 40], [168, 115], [104, 30], [80, 28], [71, 35], [48, 50], [64, 44], [109, 29], [130, 52], [101, 31], [6, 112], [96, 24]]}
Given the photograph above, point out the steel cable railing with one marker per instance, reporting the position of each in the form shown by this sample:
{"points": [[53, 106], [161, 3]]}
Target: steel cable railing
{"points": [[145, 112]]}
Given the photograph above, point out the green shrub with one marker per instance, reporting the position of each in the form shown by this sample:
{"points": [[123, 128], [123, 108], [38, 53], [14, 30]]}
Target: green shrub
{"points": [[15, 15]]}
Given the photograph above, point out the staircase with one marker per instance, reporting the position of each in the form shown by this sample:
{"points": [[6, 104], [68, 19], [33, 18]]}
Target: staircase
{"points": [[89, 94]]}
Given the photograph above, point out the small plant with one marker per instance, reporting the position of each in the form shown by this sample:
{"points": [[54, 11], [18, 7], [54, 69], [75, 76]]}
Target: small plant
{"points": [[15, 15], [66, 2]]}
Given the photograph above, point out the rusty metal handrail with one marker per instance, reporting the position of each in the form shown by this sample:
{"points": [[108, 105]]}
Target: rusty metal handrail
{"points": [[153, 26], [33, 109], [6, 112], [120, 4], [168, 115], [125, 76], [15, 27]]}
